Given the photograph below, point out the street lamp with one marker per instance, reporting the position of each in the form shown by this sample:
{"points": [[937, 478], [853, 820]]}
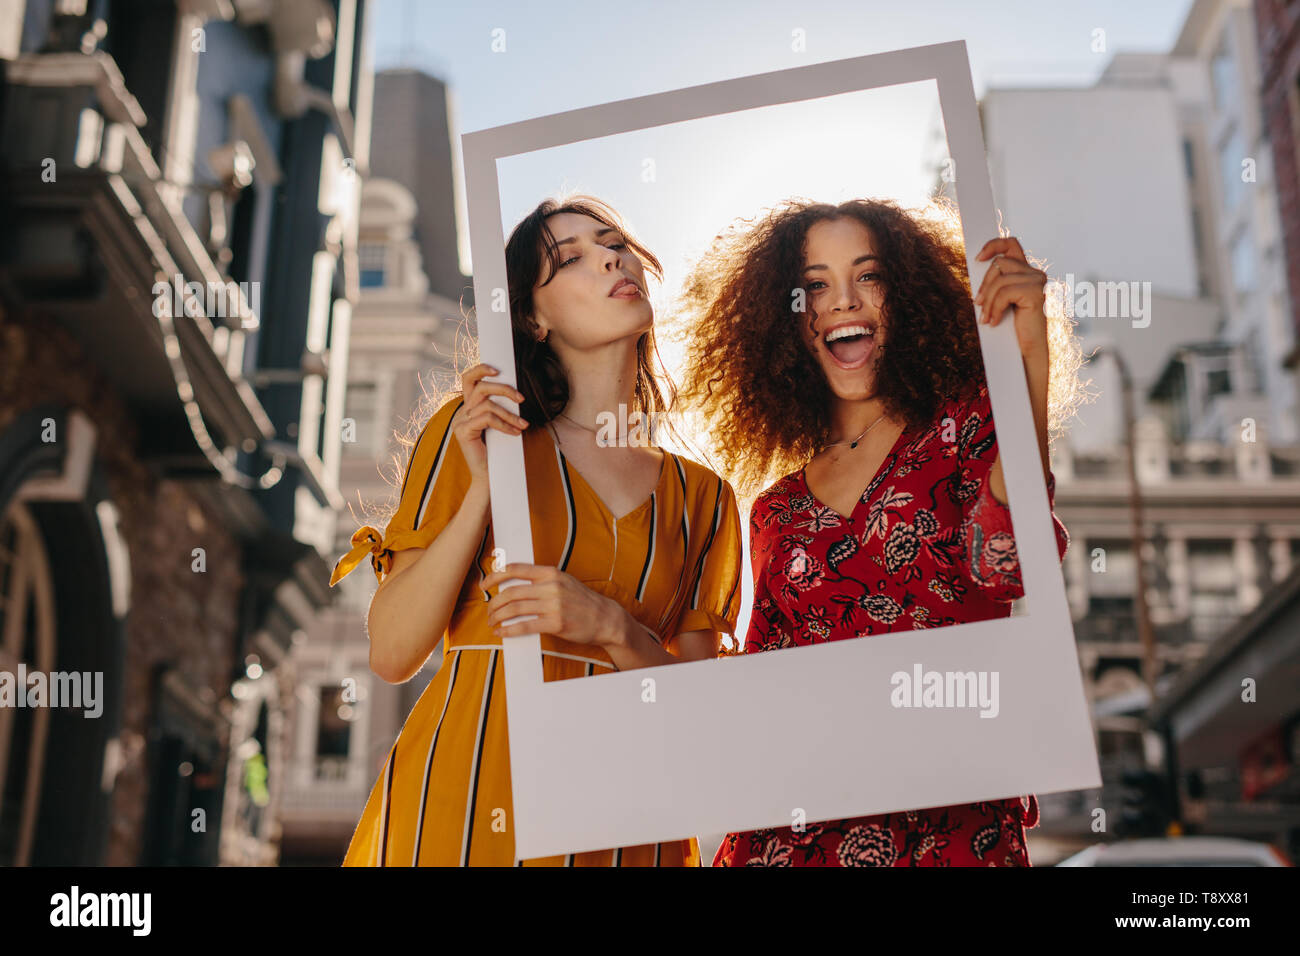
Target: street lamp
{"points": [[1146, 634]]}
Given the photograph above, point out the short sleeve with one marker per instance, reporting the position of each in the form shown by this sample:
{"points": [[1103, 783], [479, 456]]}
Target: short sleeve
{"points": [[991, 556], [714, 600], [434, 484]]}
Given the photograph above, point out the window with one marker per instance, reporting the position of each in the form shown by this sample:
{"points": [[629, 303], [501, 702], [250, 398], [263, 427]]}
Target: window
{"points": [[1218, 381], [1242, 255], [1215, 373], [360, 409], [241, 233], [1255, 359], [1212, 574], [1231, 152], [1114, 605], [372, 259], [1111, 619], [333, 733], [140, 37], [1121, 743], [1223, 74], [1109, 577], [1116, 581], [1198, 240]]}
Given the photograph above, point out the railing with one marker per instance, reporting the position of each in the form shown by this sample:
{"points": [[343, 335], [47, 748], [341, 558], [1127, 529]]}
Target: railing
{"points": [[325, 784], [1185, 465], [1110, 629]]}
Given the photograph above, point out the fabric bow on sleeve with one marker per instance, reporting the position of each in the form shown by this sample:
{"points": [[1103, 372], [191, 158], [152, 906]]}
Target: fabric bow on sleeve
{"points": [[365, 541]]}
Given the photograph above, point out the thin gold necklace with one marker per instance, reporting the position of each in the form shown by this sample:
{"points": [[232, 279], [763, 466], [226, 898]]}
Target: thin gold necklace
{"points": [[579, 424], [854, 443]]}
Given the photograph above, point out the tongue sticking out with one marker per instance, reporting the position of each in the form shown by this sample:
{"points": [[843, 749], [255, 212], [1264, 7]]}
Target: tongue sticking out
{"points": [[852, 349]]}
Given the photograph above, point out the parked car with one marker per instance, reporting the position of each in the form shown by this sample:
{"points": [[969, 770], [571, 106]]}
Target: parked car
{"points": [[1180, 851]]}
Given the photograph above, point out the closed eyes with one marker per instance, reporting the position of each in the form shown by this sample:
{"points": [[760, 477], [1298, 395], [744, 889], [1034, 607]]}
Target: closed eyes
{"points": [[619, 245]]}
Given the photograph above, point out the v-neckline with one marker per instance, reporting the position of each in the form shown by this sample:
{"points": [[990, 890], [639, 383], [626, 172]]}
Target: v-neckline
{"points": [[889, 455], [572, 469]]}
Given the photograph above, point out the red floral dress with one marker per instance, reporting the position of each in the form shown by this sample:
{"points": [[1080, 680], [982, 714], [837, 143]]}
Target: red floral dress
{"points": [[927, 545]]}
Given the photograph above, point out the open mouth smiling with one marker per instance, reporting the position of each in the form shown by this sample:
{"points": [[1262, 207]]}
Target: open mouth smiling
{"points": [[851, 344]]}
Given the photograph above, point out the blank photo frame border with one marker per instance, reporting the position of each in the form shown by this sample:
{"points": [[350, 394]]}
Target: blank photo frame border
{"points": [[802, 734]]}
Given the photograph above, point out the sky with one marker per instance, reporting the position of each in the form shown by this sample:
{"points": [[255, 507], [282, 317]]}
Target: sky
{"points": [[677, 186], [511, 61], [566, 54]]}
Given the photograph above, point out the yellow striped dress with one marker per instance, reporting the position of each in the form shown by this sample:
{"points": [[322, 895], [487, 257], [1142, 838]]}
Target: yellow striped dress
{"points": [[443, 797]]}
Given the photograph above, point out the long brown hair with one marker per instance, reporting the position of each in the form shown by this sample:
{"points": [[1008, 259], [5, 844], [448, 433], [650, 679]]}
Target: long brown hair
{"points": [[538, 371], [541, 377]]}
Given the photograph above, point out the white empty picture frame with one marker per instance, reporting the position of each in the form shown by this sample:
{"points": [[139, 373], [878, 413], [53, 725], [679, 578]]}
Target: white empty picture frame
{"points": [[594, 766]]}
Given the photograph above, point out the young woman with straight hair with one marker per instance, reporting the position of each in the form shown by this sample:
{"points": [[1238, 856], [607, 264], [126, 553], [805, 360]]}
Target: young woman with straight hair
{"points": [[637, 549]]}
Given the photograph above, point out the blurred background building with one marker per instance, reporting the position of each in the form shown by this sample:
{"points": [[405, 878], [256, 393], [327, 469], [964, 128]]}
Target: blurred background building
{"points": [[1157, 189], [169, 460], [406, 329]]}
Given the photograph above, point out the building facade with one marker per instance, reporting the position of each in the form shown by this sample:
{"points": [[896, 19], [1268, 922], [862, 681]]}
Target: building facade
{"points": [[180, 183], [408, 329], [1221, 530], [1170, 242], [1277, 33]]}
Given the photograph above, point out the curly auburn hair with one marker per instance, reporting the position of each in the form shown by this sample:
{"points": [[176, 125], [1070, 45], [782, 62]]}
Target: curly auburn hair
{"points": [[758, 387]]}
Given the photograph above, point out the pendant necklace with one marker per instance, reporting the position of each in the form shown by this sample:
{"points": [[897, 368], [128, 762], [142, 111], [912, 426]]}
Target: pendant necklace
{"points": [[854, 442]]}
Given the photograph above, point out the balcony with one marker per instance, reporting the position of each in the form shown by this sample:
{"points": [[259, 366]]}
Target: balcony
{"points": [[326, 788], [1188, 462], [1122, 632], [90, 230]]}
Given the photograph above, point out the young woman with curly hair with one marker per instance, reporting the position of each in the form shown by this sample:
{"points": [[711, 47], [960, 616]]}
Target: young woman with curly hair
{"points": [[637, 550], [837, 346]]}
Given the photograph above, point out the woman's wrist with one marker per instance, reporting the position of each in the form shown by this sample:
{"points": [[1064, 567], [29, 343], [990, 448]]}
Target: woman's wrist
{"points": [[630, 645], [620, 631], [478, 498]]}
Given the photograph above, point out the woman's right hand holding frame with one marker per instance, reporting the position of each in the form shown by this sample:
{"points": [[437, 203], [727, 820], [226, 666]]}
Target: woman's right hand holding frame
{"points": [[481, 413]]}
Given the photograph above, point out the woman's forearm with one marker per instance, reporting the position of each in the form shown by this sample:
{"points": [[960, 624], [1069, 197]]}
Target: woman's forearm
{"points": [[635, 647], [412, 607]]}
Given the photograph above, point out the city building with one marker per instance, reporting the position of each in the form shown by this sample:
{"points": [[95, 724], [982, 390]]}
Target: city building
{"points": [[1221, 528], [1230, 727], [1152, 196], [1277, 33], [407, 329], [1171, 197], [179, 263], [1241, 232]]}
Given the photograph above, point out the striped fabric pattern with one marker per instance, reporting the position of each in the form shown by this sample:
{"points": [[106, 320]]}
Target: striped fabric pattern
{"points": [[442, 797]]}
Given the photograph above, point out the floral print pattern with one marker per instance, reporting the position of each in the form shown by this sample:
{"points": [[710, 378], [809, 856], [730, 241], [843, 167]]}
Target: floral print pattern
{"points": [[926, 545]]}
